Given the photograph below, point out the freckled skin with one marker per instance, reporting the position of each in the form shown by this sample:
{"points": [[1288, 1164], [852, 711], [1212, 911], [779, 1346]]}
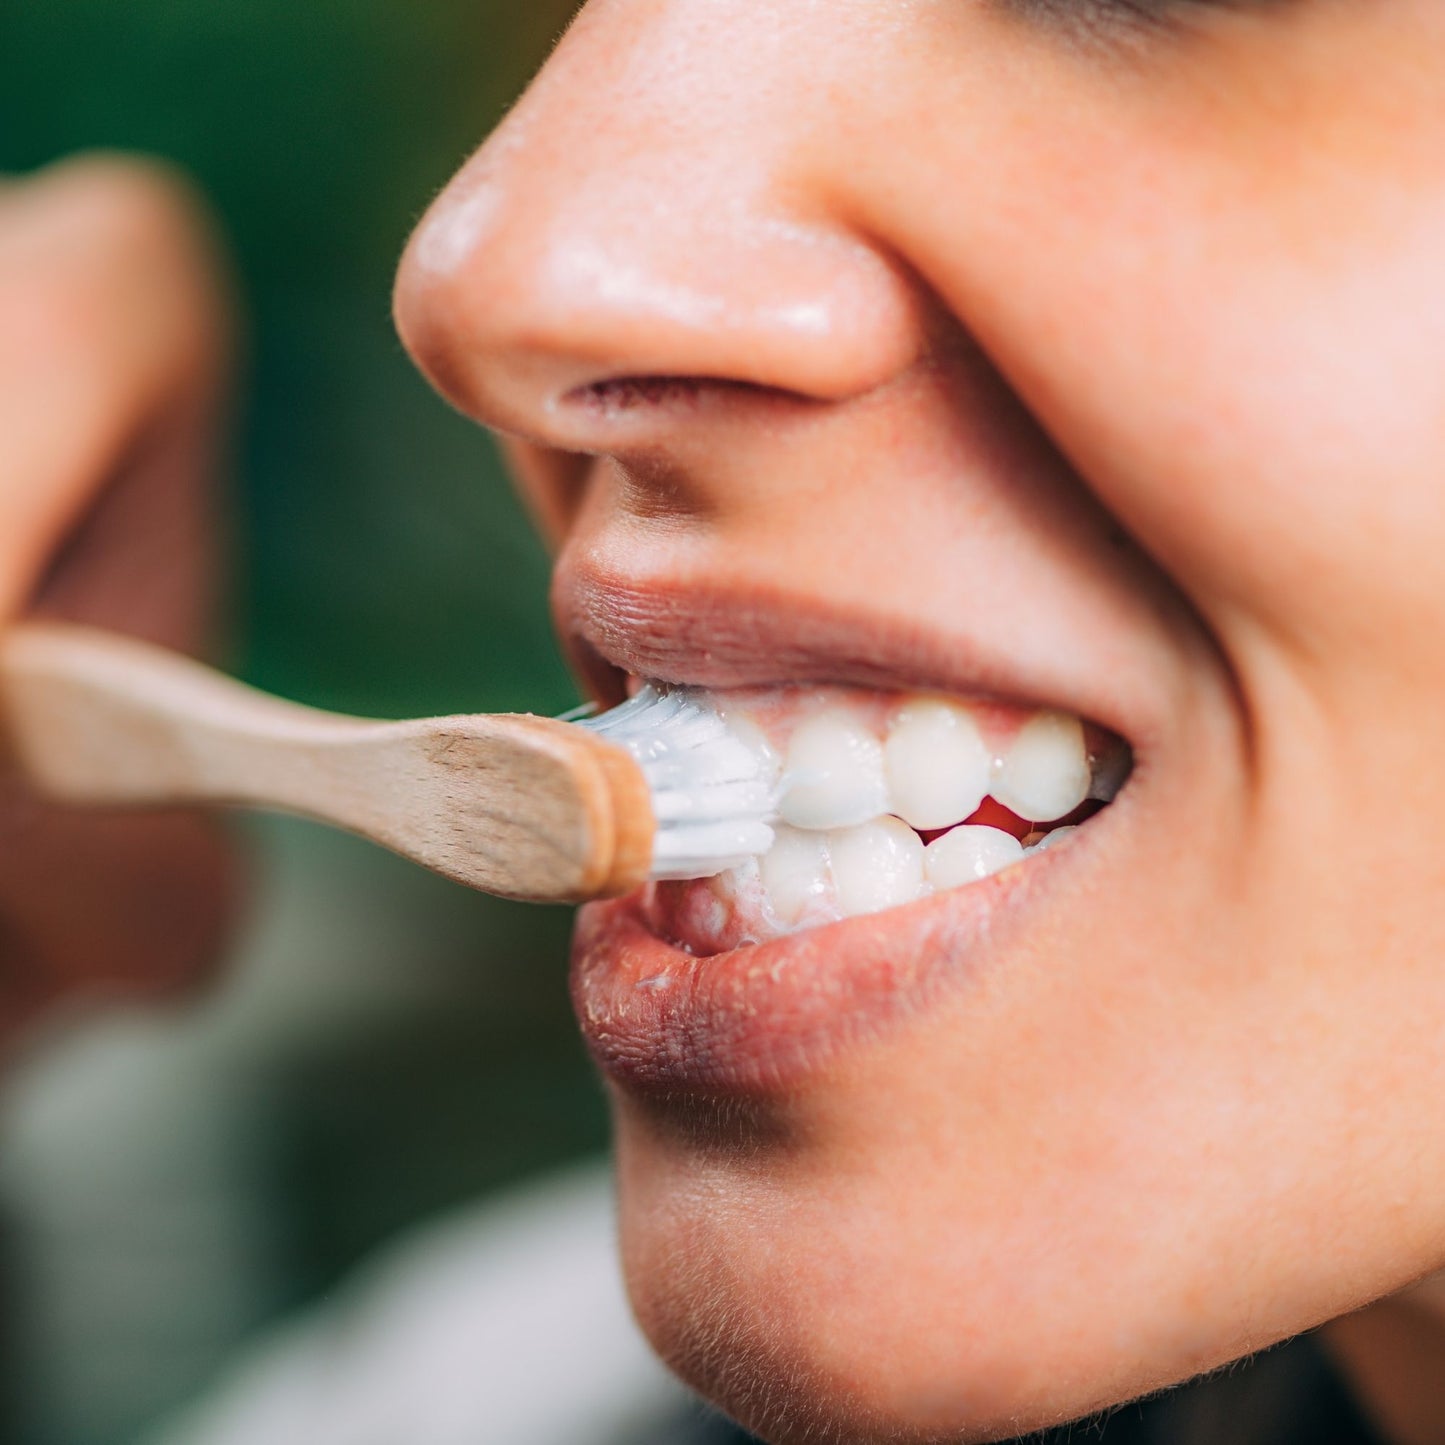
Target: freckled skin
{"points": [[1103, 375]]}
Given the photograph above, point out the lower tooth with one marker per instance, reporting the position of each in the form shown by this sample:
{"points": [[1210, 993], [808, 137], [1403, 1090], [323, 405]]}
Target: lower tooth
{"points": [[966, 854], [795, 873], [1052, 840], [875, 866]]}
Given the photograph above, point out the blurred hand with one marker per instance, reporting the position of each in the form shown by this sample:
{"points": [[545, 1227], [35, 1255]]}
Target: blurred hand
{"points": [[114, 347]]}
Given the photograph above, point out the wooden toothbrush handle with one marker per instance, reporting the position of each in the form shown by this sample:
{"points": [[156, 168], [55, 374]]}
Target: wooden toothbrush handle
{"points": [[520, 806]]}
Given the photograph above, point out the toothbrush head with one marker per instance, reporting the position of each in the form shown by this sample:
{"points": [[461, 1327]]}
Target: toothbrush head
{"points": [[712, 795]]}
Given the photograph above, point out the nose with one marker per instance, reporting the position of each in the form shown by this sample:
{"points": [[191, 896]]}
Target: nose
{"points": [[640, 219]]}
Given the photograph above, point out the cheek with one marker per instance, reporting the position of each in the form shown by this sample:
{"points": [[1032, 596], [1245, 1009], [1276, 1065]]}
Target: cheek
{"points": [[1230, 332], [1273, 447]]}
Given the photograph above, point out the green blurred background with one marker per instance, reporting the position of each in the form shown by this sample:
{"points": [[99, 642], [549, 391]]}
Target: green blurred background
{"points": [[386, 1045]]}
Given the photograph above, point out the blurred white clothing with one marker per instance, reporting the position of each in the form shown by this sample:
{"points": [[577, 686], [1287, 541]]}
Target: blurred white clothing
{"points": [[506, 1325]]}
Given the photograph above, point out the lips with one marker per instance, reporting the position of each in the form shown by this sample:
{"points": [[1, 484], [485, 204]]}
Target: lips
{"points": [[661, 1013], [765, 1018]]}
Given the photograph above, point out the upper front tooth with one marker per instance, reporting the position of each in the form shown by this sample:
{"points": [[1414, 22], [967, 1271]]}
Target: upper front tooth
{"points": [[766, 762], [833, 776], [1045, 773], [937, 765], [878, 865]]}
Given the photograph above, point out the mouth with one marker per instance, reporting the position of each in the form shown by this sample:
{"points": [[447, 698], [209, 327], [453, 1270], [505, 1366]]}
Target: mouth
{"points": [[913, 831]]}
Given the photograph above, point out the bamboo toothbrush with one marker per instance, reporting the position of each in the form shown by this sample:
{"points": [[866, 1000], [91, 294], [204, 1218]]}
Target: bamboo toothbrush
{"points": [[520, 806]]}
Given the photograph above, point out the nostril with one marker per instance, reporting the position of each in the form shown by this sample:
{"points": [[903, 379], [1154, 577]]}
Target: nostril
{"points": [[621, 396], [630, 393]]}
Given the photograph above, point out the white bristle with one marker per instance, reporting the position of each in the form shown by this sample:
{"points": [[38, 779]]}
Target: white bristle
{"points": [[711, 794]]}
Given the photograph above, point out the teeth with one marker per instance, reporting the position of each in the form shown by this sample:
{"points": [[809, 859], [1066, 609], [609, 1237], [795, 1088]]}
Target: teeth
{"points": [[795, 874], [965, 855], [1110, 771], [764, 756], [833, 776], [813, 802], [1045, 773], [876, 866], [1052, 840], [936, 764]]}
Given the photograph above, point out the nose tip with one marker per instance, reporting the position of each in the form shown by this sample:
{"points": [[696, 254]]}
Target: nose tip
{"points": [[586, 245], [514, 302]]}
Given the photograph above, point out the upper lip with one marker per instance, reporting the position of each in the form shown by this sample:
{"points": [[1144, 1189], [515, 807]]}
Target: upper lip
{"points": [[724, 635]]}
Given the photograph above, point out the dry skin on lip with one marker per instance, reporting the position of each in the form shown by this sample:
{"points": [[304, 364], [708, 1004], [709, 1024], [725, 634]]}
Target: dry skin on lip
{"points": [[885, 798]]}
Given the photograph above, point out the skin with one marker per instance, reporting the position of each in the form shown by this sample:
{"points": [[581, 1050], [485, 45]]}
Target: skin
{"points": [[114, 343], [1105, 354]]}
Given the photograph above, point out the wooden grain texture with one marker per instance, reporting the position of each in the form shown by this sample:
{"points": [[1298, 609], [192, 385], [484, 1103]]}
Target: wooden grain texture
{"points": [[520, 806]]}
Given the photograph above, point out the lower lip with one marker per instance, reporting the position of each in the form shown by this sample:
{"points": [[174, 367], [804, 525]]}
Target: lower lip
{"points": [[764, 1018]]}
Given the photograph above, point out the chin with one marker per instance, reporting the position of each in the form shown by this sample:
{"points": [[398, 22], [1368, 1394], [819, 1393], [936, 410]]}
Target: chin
{"points": [[795, 1297], [778, 1265]]}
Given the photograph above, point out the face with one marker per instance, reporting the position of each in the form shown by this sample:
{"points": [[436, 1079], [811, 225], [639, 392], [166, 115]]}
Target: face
{"points": [[1067, 355]]}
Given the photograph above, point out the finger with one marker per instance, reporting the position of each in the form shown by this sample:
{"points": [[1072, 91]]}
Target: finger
{"points": [[109, 323]]}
